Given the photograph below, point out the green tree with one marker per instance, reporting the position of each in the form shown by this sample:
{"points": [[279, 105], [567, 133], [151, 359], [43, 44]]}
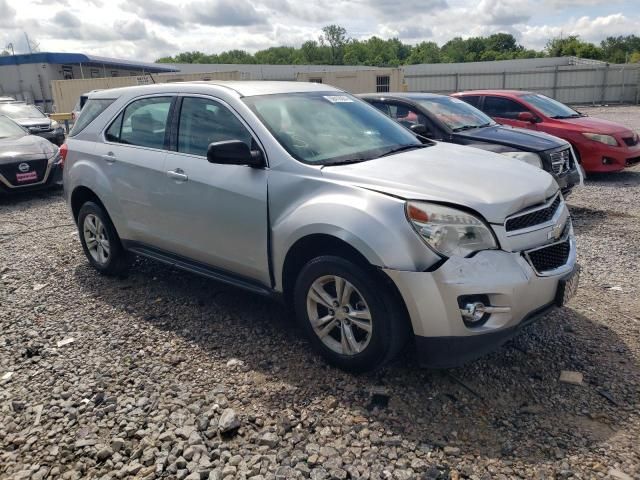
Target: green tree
{"points": [[336, 37], [425, 52], [573, 46]]}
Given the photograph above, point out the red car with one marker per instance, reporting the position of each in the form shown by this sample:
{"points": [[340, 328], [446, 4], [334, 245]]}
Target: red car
{"points": [[601, 145]]}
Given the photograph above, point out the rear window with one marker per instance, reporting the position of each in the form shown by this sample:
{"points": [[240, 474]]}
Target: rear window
{"points": [[90, 111]]}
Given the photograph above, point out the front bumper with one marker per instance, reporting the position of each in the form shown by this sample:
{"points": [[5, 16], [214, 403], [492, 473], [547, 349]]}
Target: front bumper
{"points": [[54, 137], [599, 158], [506, 279], [52, 178], [568, 180]]}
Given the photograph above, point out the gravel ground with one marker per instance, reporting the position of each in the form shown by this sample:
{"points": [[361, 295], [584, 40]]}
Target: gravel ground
{"points": [[628, 115], [174, 376]]}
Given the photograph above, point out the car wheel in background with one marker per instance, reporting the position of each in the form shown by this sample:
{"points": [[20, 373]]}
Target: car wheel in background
{"points": [[349, 314], [100, 240]]}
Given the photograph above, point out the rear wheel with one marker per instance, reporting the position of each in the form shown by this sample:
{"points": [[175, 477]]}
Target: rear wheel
{"points": [[100, 240], [350, 316]]}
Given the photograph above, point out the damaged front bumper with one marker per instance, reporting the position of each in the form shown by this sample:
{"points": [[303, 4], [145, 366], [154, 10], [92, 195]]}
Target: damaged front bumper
{"points": [[504, 281]]}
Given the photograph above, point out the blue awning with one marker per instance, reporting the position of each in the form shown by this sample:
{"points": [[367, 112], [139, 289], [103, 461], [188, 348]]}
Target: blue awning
{"points": [[81, 58]]}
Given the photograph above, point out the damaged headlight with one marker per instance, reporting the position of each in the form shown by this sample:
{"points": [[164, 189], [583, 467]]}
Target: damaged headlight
{"points": [[449, 231]]}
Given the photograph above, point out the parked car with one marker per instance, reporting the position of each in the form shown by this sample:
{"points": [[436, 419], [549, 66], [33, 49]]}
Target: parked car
{"points": [[303, 192], [77, 108], [27, 162], [448, 119], [600, 145], [34, 120]]}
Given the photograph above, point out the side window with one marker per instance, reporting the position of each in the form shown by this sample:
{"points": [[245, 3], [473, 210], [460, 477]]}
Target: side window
{"points": [[143, 123], [502, 107], [383, 107], [113, 132], [91, 110], [471, 99], [406, 115], [204, 121]]}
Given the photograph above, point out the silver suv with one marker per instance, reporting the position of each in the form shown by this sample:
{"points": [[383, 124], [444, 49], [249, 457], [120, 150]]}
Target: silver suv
{"points": [[304, 192]]}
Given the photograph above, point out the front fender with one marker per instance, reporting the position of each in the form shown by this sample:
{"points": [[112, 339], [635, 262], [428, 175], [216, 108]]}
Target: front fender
{"points": [[373, 223]]}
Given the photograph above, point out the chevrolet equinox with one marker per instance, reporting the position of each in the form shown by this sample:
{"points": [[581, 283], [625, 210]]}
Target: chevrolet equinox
{"points": [[304, 192]]}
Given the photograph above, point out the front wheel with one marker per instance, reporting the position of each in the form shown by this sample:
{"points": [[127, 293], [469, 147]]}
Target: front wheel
{"points": [[100, 240], [349, 314]]}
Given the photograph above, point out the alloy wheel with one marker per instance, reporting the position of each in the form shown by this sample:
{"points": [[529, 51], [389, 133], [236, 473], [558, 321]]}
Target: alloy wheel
{"points": [[339, 315], [96, 239]]}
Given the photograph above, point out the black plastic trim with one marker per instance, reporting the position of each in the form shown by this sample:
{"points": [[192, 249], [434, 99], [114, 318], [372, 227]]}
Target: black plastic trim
{"points": [[449, 352], [198, 268]]}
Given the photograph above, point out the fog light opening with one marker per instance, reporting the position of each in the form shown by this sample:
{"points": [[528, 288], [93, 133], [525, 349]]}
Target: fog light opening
{"points": [[608, 161]]}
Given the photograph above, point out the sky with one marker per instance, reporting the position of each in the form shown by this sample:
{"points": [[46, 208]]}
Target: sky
{"points": [[149, 29]]}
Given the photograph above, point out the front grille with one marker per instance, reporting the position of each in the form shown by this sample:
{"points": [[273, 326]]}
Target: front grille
{"points": [[549, 258], [561, 161], [533, 218], [40, 128], [10, 171], [632, 141], [633, 161]]}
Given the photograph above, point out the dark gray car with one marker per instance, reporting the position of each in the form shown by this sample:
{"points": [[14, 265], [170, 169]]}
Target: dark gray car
{"points": [[34, 120], [27, 162]]}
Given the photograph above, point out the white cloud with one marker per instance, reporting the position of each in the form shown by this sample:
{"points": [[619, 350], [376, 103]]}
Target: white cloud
{"points": [[153, 28]]}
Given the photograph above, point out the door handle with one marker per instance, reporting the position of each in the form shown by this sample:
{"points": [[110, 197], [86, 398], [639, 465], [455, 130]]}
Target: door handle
{"points": [[109, 157], [178, 174]]}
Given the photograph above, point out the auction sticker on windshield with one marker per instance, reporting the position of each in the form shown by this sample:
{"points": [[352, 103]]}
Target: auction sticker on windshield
{"points": [[338, 99]]}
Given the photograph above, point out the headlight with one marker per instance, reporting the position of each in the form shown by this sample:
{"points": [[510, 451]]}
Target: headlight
{"points": [[527, 157], [606, 139], [449, 231]]}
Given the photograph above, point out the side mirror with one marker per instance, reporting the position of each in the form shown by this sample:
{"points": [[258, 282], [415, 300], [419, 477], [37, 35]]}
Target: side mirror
{"points": [[234, 152], [527, 117], [420, 129]]}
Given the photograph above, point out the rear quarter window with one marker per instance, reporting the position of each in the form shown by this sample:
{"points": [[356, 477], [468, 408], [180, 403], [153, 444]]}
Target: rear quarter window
{"points": [[89, 113]]}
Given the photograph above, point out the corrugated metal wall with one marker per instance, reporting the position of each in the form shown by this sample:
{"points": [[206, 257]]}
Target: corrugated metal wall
{"points": [[577, 84]]}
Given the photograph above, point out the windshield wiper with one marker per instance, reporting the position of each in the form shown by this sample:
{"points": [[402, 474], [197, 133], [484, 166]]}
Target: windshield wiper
{"points": [[574, 115], [402, 148], [467, 127], [346, 161]]}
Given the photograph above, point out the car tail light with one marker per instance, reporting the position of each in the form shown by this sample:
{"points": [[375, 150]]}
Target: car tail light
{"points": [[63, 154]]}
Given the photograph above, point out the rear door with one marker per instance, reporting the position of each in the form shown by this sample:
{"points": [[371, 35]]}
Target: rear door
{"points": [[505, 110], [133, 156], [215, 214]]}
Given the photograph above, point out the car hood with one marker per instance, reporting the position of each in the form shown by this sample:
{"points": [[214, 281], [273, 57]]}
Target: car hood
{"points": [[28, 147], [596, 125], [33, 122], [519, 138], [491, 184]]}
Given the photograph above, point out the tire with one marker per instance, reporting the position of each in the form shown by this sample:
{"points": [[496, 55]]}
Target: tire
{"points": [[100, 241], [361, 350]]}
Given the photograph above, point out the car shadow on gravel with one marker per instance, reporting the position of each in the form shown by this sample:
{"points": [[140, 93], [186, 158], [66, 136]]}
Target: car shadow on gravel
{"points": [[509, 404], [17, 198], [626, 178]]}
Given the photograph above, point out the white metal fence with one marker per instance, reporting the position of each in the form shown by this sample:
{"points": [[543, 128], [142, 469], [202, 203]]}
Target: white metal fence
{"points": [[576, 84]]}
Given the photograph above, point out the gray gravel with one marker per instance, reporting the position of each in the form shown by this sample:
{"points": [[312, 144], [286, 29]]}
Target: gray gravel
{"points": [[168, 375]]}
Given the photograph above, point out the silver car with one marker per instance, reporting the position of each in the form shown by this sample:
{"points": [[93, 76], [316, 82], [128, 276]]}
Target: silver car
{"points": [[304, 192]]}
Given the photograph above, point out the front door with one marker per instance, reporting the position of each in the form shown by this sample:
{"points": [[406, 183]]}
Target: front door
{"points": [[215, 214], [506, 111]]}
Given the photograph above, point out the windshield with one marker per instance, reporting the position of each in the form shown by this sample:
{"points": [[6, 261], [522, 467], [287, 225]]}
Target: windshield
{"points": [[454, 113], [324, 128], [9, 128], [550, 107], [20, 110]]}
